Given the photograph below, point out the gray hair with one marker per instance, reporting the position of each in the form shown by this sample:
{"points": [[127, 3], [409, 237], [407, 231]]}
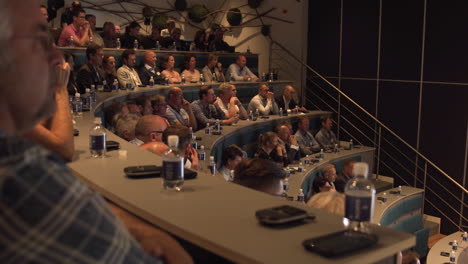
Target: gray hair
{"points": [[126, 123], [5, 34], [332, 202]]}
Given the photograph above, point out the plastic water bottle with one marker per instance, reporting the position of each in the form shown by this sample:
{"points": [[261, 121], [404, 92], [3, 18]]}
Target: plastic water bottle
{"points": [[271, 77], [151, 82], [321, 155], [465, 239], [118, 44], [214, 78], [351, 145], [115, 85], [97, 139], [157, 45], [300, 196], [202, 153], [212, 166], [135, 44], [174, 46], [455, 245], [217, 125], [86, 99], [251, 116], [72, 42], [336, 149], [208, 129], [400, 190], [257, 114], [77, 105], [202, 79], [173, 165], [183, 78], [93, 93], [193, 141], [285, 185], [281, 111], [360, 199], [452, 257]]}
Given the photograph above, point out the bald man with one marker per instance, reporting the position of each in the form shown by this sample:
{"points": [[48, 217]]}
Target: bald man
{"points": [[149, 128], [287, 100], [148, 68]]}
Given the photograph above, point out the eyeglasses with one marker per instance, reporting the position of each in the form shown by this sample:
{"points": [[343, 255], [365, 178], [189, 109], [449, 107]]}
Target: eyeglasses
{"points": [[156, 132]]}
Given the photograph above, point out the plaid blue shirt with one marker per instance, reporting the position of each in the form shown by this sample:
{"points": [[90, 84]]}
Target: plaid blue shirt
{"points": [[48, 216]]}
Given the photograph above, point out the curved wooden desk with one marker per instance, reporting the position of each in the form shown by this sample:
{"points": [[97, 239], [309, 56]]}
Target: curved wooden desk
{"points": [[443, 245], [215, 214]]}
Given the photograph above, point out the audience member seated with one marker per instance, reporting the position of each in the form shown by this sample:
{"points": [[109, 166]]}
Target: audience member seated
{"points": [[270, 149], [91, 72], [199, 42], [319, 185], [117, 29], [170, 25], [218, 44], [79, 30], [305, 139], [151, 41], [229, 103], [108, 67], [329, 173], [332, 202], [97, 39], [206, 112], [286, 102], [43, 203], [190, 154], [131, 34], [133, 108], [289, 142], [148, 69], [113, 112], [174, 42], [239, 71], [232, 155], [325, 137], [167, 65], [178, 111], [56, 133], [125, 126], [264, 101], [67, 16], [159, 107], [144, 104], [345, 175], [213, 70], [149, 128], [261, 175], [190, 73], [109, 36], [72, 86], [127, 73]]}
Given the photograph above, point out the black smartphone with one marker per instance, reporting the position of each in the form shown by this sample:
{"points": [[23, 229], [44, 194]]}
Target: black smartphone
{"points": [[76, 132], [264, 117], [152, 171], [340, 243], [216, 133], [281, 215], [445, 254], [112, 145]]}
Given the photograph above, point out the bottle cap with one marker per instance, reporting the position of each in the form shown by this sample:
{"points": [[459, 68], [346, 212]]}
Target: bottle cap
{"points": [[77, 94], [202, 147], [88, 90], [211, 158], [360, 168], [173, 141], [97, 120]]}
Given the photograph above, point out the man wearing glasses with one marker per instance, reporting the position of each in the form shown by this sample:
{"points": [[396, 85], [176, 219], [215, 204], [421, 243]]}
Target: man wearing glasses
{"points": [[149, 128], [91, 72], [79, 30]]}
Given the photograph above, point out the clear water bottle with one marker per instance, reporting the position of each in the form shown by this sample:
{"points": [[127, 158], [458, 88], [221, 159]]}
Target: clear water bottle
{"points": [[465, 239], [72, 42], [202, 79], [455, 245], [201, 153], [158, 47], [251, 116], [300, 196], [151, 82], [212, 166], [77, 105], [208, 129], [286, 185], [192, 134], [452, 258], [118, 44], [214, 80], [135, 44], [360, 199], [281, 111], [336, 149], [86, 99], [193, 142], [183, 78], [93, 93], [128, 86], [173, 165], [257, 114], [321, 155], [115, 85], [97, 139], [351, 145], [217, 125], [271, 78], [174, 46]]}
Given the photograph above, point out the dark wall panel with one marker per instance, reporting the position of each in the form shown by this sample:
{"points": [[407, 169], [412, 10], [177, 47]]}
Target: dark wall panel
{"points": [[401, 40], [360, 35], [446, 59], [443, 126], [324, 36], [398, 108]]}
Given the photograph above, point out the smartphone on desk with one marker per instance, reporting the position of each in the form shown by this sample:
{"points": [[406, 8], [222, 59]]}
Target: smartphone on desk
{"points": [[152, 171], [340, 243], [282, 215]]}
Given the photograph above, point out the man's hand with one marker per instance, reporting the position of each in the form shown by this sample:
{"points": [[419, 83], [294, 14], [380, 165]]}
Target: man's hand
{"points": [[254, 79], [185, 105], [270, 96], [231, 120], [161, 245], [293, 140], [62, 74]]}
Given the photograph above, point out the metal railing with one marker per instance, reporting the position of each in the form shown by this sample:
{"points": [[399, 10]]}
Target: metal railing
{"points": [[444, 197]]}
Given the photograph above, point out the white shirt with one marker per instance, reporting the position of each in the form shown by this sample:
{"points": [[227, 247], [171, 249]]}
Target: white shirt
{"points": [[224, 107], [126, 75], [136, 142]]}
